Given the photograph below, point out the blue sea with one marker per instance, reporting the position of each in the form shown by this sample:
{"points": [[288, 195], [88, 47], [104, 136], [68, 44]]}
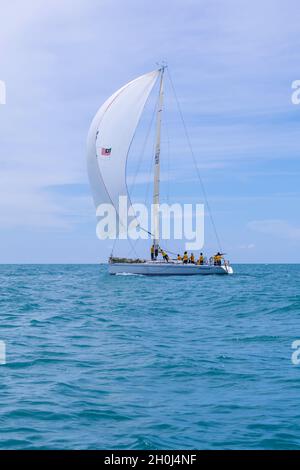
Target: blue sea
{"points": [[131, 362]]}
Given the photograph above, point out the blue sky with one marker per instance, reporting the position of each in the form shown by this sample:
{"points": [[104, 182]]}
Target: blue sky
{"points": [[233, 63]]}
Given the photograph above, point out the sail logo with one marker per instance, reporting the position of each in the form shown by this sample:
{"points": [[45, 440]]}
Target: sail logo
{"points": [[296, 94], [161, 221], [2, 92]]}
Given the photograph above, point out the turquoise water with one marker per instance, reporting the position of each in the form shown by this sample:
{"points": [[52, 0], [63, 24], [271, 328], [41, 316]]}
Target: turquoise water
{"points": [[98, 361]]}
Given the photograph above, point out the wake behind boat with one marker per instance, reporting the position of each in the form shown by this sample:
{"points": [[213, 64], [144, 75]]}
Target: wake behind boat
{"points": [[109, 140]]}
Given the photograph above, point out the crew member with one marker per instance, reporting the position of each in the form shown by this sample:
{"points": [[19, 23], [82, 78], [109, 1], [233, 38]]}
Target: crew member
{"points": [[185, 257], [179, 258], [165, 256], [201, 259], [218, 259], [192, 258], [152, 252]]}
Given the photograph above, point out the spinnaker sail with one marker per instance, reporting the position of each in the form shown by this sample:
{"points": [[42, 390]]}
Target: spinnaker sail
{"points": [[110, 137]]}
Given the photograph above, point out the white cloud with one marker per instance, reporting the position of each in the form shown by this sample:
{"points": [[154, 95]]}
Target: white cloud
{"points": [[276, 227], [250, 246]]}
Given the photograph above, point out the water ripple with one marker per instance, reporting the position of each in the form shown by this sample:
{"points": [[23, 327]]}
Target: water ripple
{"points": [[129, 362]]}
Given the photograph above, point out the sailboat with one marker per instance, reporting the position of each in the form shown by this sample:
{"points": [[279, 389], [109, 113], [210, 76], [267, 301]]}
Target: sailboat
{"points": [[109, 140]]}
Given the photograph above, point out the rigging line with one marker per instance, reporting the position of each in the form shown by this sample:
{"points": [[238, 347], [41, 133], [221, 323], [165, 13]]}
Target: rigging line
{"points": [[132, 247], [165, 126], [168, 164], [146, 231], [195, 162], [139, 226], [150, 172], [134, 244], [151, 161], [113, 247], [166, 130], [127, 163], [144, 147], [171, 252]]}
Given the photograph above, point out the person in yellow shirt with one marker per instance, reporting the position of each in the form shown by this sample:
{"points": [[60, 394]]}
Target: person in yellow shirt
{"points": [[179, 258], [218, 259], [165, 256], [201, 259], [152, 252], [185, 258], [192, 258]]}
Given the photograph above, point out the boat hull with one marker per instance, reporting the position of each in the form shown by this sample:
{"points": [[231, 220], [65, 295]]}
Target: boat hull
{"points": [[167, 269]]}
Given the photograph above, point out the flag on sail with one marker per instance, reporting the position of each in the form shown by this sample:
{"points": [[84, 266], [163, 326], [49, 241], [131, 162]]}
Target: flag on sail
{"points": [[106, 152]]}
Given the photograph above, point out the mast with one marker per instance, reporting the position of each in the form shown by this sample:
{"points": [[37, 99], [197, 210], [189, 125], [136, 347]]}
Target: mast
{"points": [[157, 162]]}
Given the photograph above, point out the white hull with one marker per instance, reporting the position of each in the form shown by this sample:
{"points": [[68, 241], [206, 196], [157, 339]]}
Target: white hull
{"points": [[167, 269]]}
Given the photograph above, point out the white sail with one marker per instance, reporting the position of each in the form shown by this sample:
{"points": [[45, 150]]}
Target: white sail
{"points": [[110, 137]]}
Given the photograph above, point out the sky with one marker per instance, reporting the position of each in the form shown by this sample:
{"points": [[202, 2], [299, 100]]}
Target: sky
{"points": [[232, 62]]}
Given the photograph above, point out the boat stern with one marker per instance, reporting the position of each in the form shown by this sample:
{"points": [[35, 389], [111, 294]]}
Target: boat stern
{"points": [[227, 269]]}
